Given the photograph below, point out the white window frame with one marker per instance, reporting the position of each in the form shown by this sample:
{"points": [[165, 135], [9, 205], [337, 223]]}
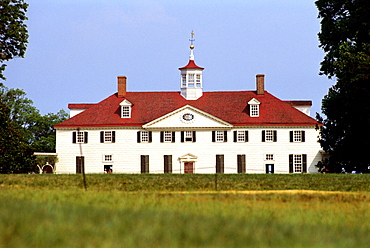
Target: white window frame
{"points": [[297, 163], [144, 136], [167, 136], [108, 136], [126, 111], [254, 110], [220, 136], [183, 80], [269, 135], [198, 80], [297, 136], [107, 158], [80, 137], [188, 136], [269, 157], [240, 136]]}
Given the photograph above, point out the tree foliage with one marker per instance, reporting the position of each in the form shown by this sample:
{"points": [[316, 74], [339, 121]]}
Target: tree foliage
{"points": [[13, 31], [345, 37], [36, 129], [15, 154]]}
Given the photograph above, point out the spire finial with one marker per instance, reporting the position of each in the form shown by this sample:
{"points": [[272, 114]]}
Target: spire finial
{"points": [[192, 40]]}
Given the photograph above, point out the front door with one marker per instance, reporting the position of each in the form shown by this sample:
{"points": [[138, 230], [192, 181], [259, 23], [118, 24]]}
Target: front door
{"points": [[269, 168], [189, 167]]}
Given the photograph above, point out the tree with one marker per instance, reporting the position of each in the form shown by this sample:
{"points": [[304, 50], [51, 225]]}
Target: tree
{"points": [[13, 31], [16, 155], [36, 129], [345, 37]]}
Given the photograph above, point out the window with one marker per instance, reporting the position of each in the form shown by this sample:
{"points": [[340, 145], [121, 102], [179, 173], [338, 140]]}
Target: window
{"points": [[198, 80], [144, 136], [254, 110], [183, 77], [191, 78], [298, 163], [254, 107], [219, 136], [188, 136], [297, 136], [126, 111], [241, 136], [269, 157], [269, 135], [107, 158], [79, 137], [107, 136], [167, 136]]}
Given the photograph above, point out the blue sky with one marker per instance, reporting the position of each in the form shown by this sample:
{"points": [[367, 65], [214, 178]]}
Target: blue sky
{"points": [[77, 49]]}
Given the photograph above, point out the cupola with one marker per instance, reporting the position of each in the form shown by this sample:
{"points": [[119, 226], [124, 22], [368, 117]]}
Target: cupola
{"points": [[191, 76]]}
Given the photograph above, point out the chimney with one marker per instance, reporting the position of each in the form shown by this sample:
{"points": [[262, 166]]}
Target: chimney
{"points": [[121, 86], [260, 84]]}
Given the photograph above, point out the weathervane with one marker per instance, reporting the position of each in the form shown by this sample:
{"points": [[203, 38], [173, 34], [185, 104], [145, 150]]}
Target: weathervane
{"points": [[192, 40]]}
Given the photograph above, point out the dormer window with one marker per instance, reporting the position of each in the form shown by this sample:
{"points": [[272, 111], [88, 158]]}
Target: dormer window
{"points": [[125, 109], [254, 107]]}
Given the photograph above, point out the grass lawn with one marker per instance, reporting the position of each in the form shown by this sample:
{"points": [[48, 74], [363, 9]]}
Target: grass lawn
{"points": [[185, 211]]}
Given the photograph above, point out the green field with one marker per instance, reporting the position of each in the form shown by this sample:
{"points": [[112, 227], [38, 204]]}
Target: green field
{"points": [[185, 210]]}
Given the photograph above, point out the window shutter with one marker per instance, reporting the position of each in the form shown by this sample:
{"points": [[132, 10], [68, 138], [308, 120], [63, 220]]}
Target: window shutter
{"points": [[263, 135], [173, 137], [150, 137], [291, 136], [275, 135], [194, 137], [101, 136], [213, 136], [74, 137], [162, 136], [246, 136], [225, 136], [290, 163], [182, 136], [304, 163], [113, 136], [303, 135], [85, 137], [235, 136], [138, 135]]}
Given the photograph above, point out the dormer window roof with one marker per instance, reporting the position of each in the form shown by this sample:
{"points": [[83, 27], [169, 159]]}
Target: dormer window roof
{"points": [[125, 109], [254, 108]]}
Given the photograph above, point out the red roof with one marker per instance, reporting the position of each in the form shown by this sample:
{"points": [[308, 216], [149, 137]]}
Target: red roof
{"points": [[191, 65], [80, 105], [230, 106]]}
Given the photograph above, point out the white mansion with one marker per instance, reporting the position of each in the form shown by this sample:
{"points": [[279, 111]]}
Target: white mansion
{"points": [[189, 131]]}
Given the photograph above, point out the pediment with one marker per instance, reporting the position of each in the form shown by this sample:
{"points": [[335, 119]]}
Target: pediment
{"points": [[254, 101], [187, 117], [125, 103], [188, 157]]}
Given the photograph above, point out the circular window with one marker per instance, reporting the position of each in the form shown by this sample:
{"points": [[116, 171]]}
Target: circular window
{"points": [[188, 117]]}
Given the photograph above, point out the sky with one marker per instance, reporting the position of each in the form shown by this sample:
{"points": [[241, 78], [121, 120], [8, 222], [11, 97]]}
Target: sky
{"points": [[77, 48]]}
